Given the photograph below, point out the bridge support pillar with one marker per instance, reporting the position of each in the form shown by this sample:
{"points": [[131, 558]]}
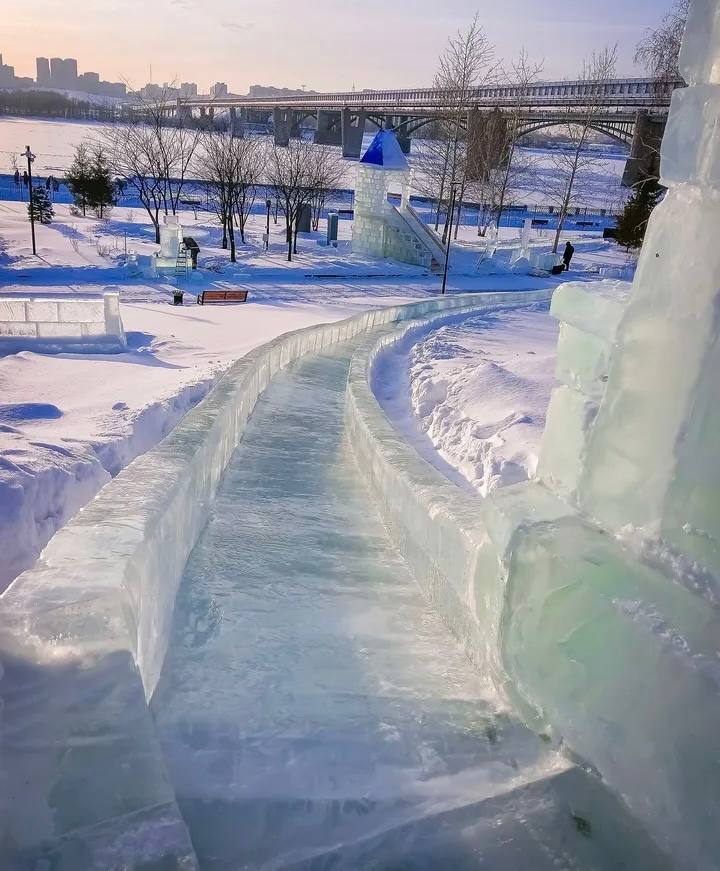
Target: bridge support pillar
{"points": [[644, 157], [237, 126], [487, 142], [329, 128], [399, 126], [353, 130], [184, 115], [282, 123], [402, 134]]}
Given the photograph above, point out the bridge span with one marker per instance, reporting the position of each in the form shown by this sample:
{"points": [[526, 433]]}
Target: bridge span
{"points": [[632, 110]]}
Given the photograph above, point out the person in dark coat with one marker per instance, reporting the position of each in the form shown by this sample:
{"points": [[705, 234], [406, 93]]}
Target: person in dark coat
{"points": [[25, 178], [568, 256], [17, 178]]}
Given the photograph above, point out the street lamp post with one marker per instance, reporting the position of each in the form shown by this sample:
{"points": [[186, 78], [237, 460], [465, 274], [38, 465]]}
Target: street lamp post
{"points": [[449, 228], [30, 158]]}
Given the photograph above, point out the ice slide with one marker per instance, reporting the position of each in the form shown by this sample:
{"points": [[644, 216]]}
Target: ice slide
{"points": [[314, 711]]}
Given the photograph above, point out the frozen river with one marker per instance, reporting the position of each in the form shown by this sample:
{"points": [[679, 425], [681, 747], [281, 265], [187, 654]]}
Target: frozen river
{"points": [[314, 711]]}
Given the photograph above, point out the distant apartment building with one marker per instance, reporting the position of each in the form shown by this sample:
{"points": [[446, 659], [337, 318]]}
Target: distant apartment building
{"points": [[7, 75], [258, 91], [188, 89], [63, 73], [219, 89], [42, 66], [89, 82]]}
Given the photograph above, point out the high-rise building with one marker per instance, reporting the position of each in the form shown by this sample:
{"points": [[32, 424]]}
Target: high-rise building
{"points": [[89, 82], [219, 89], [42, 65], [7, 75], [188, 89], [63, 73]]}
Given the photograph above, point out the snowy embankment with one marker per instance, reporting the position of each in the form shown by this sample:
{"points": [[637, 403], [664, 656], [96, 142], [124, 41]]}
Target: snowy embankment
{"points": [[472, 394]]}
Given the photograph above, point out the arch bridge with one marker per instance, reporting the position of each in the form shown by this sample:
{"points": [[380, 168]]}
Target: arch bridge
{"points": [[631, 110]]}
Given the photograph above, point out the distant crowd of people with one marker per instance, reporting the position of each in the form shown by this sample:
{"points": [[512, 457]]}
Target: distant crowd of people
{"points": [[51, 183]]}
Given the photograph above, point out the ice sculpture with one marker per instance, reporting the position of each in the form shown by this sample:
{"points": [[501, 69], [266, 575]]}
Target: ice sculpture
{"points": [[172, 254], [381, 230], [613, 629]]}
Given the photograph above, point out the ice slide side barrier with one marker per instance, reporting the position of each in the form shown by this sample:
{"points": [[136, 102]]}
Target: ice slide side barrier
{"points": [[83, 634], [610, 655]]}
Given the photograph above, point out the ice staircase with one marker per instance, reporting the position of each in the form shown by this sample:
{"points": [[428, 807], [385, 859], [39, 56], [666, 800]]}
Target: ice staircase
{"points": [[410, 240], [313, 709]]}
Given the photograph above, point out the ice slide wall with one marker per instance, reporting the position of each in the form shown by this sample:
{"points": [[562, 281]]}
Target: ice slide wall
{"points": [[595, 647], [83, 634]]}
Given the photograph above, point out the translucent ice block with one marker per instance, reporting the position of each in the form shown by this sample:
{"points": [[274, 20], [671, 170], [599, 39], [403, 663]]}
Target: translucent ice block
{"points": [[691, 147], [700, 54]]}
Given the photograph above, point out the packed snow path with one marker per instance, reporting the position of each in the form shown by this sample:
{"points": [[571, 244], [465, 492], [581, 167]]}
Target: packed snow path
{"points": [[314, 711]]}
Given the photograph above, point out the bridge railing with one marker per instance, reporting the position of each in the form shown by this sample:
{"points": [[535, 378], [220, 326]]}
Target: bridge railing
{"points": [[625, 92]]}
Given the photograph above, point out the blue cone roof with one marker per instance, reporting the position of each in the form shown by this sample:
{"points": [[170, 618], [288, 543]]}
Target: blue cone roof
{"points": [[384, 152]]}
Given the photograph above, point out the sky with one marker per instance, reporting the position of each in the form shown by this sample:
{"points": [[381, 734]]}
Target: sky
{"points": [[319, 44]]}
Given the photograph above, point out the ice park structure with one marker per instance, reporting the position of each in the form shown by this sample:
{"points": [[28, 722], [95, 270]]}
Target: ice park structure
{"points": [[236, 655], [380, 229]]}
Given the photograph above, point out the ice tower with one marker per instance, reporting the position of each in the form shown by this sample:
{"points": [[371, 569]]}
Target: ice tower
{"points": [[612, 625], [380, 230]]}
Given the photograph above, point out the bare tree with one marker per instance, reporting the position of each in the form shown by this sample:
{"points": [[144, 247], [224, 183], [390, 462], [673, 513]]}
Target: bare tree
{"points": [[232, 168], [250, 160], [522, 75], [299, 172], [431, 165], [329, 172], [467, 63], [574, 161], [152, 157], [659, 49]]}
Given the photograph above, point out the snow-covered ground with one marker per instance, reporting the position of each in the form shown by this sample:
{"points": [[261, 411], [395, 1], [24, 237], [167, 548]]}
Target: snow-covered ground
{"points": [[69, 422]]}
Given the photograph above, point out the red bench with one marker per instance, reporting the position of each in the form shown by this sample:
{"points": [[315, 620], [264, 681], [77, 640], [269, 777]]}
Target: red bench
{"points": [[222, 296]]}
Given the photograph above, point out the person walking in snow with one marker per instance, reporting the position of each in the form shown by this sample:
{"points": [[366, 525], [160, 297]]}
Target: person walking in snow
{"points": [[568, 256]]}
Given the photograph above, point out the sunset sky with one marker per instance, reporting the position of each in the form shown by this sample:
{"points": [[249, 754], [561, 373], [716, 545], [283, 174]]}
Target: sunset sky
{"points": [[322, 44]]}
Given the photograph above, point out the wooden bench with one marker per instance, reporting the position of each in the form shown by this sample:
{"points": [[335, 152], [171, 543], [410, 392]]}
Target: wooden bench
{"points": [[222, 296]]}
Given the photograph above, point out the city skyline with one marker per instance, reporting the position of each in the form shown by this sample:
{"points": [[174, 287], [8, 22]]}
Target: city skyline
{"points": [[356, 45]]}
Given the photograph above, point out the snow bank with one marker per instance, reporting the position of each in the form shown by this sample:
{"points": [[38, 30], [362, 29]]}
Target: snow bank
{"points": [[478, 390], [84, 633], [455, 544]]}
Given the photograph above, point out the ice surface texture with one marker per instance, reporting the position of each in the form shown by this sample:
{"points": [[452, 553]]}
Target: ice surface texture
{"points": [[314, 710], [84, 633]]}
